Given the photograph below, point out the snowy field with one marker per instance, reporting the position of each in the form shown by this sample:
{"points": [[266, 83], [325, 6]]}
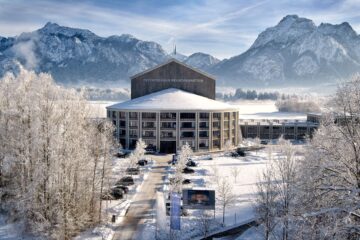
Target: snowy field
{"points": [[206, 175]]}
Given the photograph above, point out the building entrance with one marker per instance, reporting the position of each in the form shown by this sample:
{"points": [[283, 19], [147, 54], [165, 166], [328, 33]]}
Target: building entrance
{"points": [[168, 146]]}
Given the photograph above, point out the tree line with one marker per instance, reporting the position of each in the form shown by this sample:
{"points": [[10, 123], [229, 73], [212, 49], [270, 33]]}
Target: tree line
{"points": [[53, 158], [250, 95]]}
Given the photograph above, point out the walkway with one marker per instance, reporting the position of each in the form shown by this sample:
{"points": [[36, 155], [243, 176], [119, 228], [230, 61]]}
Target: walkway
{"points": [[143, 202]]}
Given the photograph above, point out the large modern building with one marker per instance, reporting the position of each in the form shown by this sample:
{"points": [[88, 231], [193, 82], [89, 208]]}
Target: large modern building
{"points": [[173, 104]]}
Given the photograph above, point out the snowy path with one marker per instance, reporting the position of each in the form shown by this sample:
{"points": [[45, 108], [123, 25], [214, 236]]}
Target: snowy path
{"points": [[142, 206]]}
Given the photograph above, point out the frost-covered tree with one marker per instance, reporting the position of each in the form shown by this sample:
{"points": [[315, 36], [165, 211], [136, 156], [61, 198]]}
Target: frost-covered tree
{"points": [[182, 158], [331, 170], [235, 171], [228, 147], [48, 173], [225, 195]]}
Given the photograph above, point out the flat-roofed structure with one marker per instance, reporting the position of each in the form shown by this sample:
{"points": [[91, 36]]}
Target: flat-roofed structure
{"points": [[175, 112]]}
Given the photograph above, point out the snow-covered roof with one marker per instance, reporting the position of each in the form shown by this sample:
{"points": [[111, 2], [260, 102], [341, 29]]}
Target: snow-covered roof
{"points": [[172, 99], [169, 61]]}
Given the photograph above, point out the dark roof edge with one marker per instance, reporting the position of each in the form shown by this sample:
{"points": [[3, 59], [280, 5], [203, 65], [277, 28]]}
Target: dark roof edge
{"points": [[169, 61]]}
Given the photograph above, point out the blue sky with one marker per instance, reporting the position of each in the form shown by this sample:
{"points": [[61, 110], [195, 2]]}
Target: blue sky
{"points": [[223, 28]]}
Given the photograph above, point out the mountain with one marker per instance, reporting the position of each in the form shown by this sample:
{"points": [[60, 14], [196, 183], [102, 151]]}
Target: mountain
{"points": [[295, 52], [201, 60], [76, 55]]}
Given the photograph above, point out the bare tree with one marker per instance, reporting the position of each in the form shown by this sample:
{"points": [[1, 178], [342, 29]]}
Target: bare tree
{"points": [[235, 171], [205, 222], [228, 147], [225, 195]]}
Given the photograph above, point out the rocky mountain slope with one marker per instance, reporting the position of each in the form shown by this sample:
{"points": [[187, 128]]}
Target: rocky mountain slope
{"points": [[295, 52]]}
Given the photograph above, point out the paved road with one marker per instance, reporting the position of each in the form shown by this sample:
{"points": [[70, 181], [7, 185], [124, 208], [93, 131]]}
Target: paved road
{"points": [[143, 202]]}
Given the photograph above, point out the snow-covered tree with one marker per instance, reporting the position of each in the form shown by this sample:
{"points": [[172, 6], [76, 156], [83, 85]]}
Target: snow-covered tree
{"points": [[235, 171], [228, 147], [50, 168], [225, 195], [331, 169]]}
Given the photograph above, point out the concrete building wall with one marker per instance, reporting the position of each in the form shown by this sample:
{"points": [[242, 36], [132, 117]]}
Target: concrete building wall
{"points": [[155, 129], [173, 75]]}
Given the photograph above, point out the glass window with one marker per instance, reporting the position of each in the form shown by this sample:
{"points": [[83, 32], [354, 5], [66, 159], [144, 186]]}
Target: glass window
{"points": [[168, 115], [148, 115], [133, 115], [204, 115], [122, 115], [187, 115]]}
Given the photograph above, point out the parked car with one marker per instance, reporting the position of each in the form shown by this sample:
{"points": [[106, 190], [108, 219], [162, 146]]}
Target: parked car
{"points": [[142, 162], [191, 163], [150, 149], [133, 171], [117, 193], [188, 170], [264, 142], [241, 152], [124, 188], [186, 181], [114, 193], [126, 181], [234, 154]]}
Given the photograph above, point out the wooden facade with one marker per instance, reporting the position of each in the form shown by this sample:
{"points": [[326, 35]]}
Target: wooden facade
{"points": [[173, 74]]}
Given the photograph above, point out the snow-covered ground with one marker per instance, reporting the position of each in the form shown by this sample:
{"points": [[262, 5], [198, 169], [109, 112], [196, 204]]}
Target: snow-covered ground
{"points": [[244, 188]]}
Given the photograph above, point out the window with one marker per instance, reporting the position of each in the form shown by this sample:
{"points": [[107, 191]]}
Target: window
{"points": [[122, 123], [122, 133], [217, 115], [216, 124], [149, 115], [114, 114], [168, 125], [167, 134], [133, 133], [168, 115], [216, 143], [204, 115], [216, 134], [108, 114], [187, 134], [203, 124], [148, 124], [203, 134], [148, 133], [122, 115], [187, 115], [133, 123], [187, 125], [133, 115], [203, 143]]}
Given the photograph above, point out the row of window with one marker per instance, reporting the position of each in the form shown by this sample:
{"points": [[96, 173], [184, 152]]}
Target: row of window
{"points": [[133, 124], [203, 143], [172, 134], [169, 115]]}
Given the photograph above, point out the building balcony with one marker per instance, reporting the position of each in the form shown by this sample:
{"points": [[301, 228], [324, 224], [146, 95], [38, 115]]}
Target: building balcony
{"points": [[148, 137]]}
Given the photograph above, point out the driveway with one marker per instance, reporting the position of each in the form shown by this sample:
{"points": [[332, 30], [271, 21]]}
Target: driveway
{"points": [[143, 203]]}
